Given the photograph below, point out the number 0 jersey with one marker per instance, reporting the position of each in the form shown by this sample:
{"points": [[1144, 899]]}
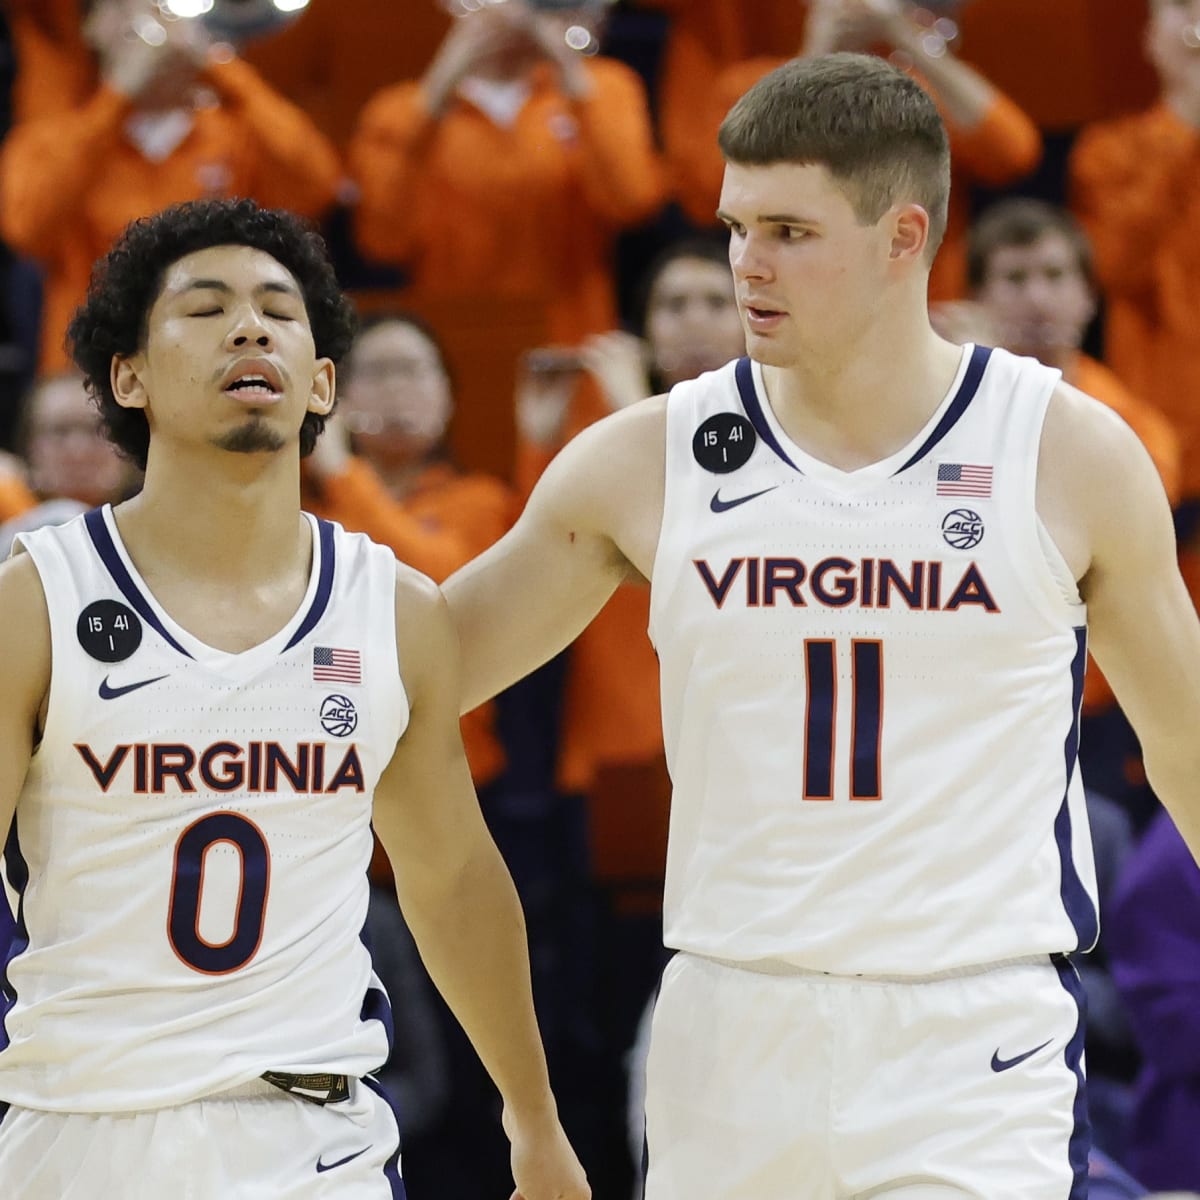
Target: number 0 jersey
{"points": [[190, 848], [870, 687]]}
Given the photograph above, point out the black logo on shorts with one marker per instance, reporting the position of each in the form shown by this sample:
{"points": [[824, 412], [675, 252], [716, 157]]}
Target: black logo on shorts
{"points": [[962, 529], [339, 717]]}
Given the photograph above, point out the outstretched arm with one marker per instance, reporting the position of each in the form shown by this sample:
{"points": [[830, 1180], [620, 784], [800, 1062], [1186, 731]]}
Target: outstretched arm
{"points": [[591, 523], [1143, 629], [458, 898]]}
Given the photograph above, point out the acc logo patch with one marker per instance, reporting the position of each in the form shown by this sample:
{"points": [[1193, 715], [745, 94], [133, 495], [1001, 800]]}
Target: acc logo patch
{"points": [[962, 529], [339, 717]]}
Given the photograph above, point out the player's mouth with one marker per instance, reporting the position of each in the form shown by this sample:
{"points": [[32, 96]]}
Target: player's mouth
{"points": [[762, 320], [254, 382]]}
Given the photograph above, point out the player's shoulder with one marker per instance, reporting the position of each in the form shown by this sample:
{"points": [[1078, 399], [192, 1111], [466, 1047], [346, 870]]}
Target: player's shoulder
{"points": [[616, 449], [1082, 429], [24, 618]]}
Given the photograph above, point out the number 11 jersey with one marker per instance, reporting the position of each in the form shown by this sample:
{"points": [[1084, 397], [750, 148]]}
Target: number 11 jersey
{"points": [[870, 686]]}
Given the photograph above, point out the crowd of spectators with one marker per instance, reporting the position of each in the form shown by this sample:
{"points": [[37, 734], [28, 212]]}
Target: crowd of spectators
{"points": [[521, 196]]}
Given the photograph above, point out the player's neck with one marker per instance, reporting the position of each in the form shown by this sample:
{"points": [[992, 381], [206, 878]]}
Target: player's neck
{"points": [[238, 526], [859, 406]]}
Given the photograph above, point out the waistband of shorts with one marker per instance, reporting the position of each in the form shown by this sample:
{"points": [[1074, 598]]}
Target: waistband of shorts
{"points": [[791, 971], [252, 1089]]}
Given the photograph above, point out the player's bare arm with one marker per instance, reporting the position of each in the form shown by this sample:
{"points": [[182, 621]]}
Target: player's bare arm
{"points": [[1143, 628], [591, 523], [25, 651], [458, 897]]}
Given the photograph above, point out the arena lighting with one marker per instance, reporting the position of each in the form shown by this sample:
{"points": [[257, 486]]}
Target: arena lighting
{"points": [[187, 8]]}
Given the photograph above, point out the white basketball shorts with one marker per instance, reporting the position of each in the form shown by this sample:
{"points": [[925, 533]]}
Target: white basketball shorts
{"points": [[794, 1086], [252, 1142]]}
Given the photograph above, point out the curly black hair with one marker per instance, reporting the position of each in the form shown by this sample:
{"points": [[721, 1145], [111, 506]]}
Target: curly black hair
{"points": [[127, 281]]}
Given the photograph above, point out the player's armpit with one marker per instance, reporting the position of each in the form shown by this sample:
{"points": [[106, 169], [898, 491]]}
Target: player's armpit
{"points": [[590, 524], [1142, 627], [25, 653]]}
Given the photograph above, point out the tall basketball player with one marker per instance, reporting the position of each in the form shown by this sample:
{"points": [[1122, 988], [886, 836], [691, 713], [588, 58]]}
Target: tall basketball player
{"points": [[208, 698], [873, 560]]}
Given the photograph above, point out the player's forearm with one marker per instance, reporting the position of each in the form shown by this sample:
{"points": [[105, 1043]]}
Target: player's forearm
{"points": [[470, 930], [1172, 776]]}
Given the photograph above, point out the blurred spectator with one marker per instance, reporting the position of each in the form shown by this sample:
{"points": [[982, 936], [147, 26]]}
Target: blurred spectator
{"points": [[173, 117], [1065, 63], [1030, 269], [992, 140], [705, 37], [72, 466], [1154, 943], [510, 167], [1136, 186], [339, 53], [1107, 1181], [384, 469]]}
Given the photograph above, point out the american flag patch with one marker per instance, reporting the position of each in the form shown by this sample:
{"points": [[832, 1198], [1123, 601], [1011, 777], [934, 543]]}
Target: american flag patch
{"points": [[336, 666], [963, 479]]}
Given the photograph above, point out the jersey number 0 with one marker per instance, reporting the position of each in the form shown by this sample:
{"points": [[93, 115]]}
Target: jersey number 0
{"points": [[187, 887]]}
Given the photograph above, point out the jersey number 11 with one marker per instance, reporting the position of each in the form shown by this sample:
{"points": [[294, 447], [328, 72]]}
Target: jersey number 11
{"points": [[866, 717]]}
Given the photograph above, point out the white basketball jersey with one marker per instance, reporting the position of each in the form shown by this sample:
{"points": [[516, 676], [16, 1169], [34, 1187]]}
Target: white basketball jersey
{"points": [[190, 847], [870, 687]]}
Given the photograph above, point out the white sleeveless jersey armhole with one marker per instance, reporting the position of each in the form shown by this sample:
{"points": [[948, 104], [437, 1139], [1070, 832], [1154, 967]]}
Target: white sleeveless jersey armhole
{"points": [[870, 689], [190, 848]]}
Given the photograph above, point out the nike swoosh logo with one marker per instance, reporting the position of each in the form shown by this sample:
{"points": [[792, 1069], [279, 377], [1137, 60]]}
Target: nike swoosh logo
{"points": [[341, 1162], [111, 693], [1003, 1064], [719, 506]]}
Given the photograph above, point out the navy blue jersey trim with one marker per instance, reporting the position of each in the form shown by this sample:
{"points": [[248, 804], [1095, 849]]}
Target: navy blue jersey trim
{"points": [[391, 1168], [103, 542], [750, 402], [18, 940], [1076, 901], [324, 586], [958, 406], [1081, 1135]]}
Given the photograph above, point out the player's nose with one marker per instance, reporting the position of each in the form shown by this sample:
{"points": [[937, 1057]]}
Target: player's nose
{"points": [[247, 328]]}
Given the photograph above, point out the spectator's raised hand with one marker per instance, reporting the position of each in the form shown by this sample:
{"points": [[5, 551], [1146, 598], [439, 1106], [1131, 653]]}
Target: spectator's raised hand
{"points": [[475, 39], [145, 50], [617, 361], [546, 381]]}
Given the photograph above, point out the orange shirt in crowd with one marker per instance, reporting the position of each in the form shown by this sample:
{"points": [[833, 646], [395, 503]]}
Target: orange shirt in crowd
{"points": [[1136, 187], [338, 53], [1161, 442], [529, 211], [55, 68], [70, 182], [1004, 146], [15, 497], [445, 521]]}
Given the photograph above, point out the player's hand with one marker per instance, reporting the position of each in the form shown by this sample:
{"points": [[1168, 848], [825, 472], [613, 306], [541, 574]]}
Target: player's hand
{"points": [[544, 1166], [617, 361]]}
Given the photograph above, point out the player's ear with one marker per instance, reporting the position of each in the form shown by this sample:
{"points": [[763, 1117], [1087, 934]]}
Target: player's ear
{"points": [[126, 381], [324, 388], [910, 231]]}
